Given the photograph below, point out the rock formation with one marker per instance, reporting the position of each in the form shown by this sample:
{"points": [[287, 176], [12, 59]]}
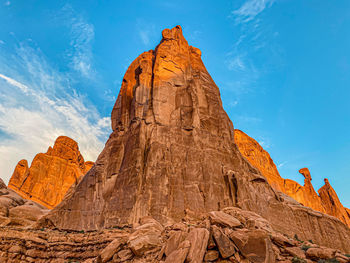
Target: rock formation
{"points": [[306, 194], [16, 211], [332, 204], [172, 156], [260, 159], [231, 235], [326, 202], [51, 174]]}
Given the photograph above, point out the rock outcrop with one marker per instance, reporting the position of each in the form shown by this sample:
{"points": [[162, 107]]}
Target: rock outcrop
{"points": [[332, 204], [51, 174], [172, 156], [260, 159], [326, 202], [306, 194], [16, 211], [231, 235]]}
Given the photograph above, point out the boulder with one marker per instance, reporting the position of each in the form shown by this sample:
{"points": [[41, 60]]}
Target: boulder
{"points": [[254, 245], [179, 255], [198, 238], [108, 252], [221, 218], [320, 253], [225, 245]]}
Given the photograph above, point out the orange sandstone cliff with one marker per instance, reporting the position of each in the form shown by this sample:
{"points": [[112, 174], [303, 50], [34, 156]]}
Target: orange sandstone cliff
{"points": [[326, 202], [51, 174], [332, 204]]}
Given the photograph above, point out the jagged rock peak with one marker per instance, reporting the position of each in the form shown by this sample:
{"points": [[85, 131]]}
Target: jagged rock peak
{"points": [[172, 156], [327, 201], [306, 173], [51, 174], [172, 62], [332, 204]]}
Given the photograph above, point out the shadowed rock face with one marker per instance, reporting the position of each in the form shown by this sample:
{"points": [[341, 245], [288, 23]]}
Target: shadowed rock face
{"points": [[16, 211], [332, 204], [326, 202], [172, 156], [51, 174]]}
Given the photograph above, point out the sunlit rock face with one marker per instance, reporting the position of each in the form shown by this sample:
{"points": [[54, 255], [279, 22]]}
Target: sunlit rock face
{"points": [[332, 204], [172, 156], [306, 194], [259, 158], [51, 174], [326, 202]]}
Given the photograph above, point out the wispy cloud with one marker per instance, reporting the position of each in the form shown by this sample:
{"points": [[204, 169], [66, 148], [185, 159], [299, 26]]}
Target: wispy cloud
{"points": [[82, 37], [7, 3], [236, 63], [280, 165], [250, 9], [146, 31], [38, 104]]}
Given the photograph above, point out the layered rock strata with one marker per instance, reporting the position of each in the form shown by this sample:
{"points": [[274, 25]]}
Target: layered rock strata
{"points": [[51, 174], [172, 156], [231, 235]]}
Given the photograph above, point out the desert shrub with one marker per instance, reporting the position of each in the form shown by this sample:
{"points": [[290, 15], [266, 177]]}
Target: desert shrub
{"points": [[296, 237], [305, 247]]}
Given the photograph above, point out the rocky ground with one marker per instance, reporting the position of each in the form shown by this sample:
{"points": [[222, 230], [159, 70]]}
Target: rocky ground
{"points": [[17, 211], [231, 235]]}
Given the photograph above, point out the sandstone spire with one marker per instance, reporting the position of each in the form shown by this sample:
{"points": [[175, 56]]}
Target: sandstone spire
{"points": [[326, 202], [172, 156], [332, 204], [308, 197], [51, 174]]}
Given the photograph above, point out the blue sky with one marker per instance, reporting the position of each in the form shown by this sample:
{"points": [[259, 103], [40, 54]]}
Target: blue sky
{"points": [[282, 67]]}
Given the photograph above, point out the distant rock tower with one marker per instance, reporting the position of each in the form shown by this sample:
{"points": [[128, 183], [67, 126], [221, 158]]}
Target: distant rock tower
{"points": [[51, 174]]}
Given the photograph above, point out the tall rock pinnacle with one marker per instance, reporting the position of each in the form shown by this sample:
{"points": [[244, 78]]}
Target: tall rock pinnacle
{"points": [[51, 174], [172, 156], [326, 202], [332, 204]]}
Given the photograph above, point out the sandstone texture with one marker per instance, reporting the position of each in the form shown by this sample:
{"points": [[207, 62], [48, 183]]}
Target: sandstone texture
{"points": [[172, 156], [17, 211], [149, 241], [332, 204], [306, 194], [326, 202], [51, 174], [259, 158]]}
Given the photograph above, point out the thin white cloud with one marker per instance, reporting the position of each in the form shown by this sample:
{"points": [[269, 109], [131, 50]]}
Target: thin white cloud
{"points": [[7, 3], [236, 63], [82, 37], [15, 83], [144, 35], [280, 165], [146, 31], [2, 42], [250, 9], [37, 104]]}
